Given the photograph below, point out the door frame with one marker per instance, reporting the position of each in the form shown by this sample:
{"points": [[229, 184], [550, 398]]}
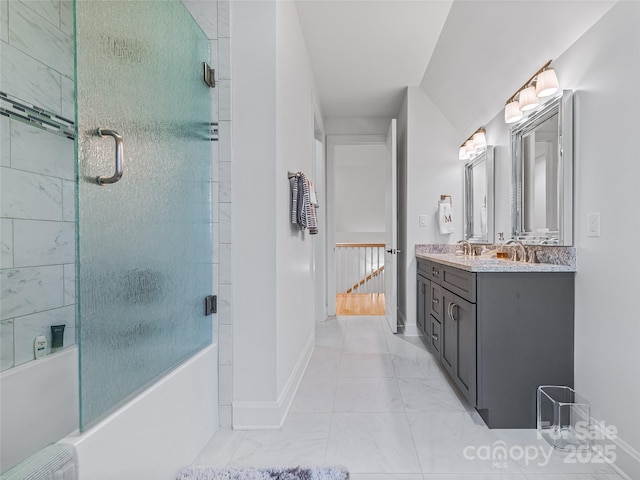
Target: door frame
{"points": [[320, 242], [332, 142]]}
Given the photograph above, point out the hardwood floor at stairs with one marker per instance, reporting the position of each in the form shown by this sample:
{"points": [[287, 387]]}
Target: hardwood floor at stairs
{"points": [[360, 304]]}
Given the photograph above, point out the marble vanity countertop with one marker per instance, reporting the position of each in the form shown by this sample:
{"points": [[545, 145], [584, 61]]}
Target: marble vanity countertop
{"points": [[491, 264]]}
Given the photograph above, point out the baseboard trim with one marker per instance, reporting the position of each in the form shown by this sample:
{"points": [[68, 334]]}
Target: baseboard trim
{"points": [[410, 328], [269, 415], [627, 462]]}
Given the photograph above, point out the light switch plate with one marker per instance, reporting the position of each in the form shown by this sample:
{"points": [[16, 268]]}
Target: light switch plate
{"points": [[422, 220], [593, 224]]}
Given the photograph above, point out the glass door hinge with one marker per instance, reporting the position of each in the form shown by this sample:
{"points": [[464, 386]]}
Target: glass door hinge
{"points": [[209, 75], [211, 304]]}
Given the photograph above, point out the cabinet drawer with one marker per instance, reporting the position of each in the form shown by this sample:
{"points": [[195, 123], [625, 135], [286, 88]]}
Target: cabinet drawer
{"points": [[435, 335], [435, 301], [435, 272], [458, 281], [423, 267]]}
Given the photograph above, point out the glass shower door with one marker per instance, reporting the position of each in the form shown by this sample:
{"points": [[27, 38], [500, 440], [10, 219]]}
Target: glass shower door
{"points": [[144, 241]]}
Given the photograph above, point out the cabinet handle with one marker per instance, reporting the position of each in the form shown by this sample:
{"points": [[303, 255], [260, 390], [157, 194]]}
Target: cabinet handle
{"points": [[435, 337], [435, 300], [450, 311], [435, 272]]}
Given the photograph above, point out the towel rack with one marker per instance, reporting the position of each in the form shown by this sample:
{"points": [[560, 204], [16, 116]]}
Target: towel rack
{"points": [[444, 197], [291, 174]]}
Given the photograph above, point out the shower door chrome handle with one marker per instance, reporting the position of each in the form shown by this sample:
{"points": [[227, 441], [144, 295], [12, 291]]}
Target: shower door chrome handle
{"points": [[103, 132]]}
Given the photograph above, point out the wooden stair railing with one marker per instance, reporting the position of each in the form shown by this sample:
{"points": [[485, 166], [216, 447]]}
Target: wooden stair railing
{"points": [[373, 274], [359, 267]]}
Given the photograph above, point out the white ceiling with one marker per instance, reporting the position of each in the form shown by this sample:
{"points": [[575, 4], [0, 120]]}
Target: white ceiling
{"points": [[488, 49], [468, 55], [364, 53]]}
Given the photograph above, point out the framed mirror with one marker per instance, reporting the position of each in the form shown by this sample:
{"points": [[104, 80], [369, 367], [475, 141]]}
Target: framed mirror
{"points": [[542, 166], [479, 198]]}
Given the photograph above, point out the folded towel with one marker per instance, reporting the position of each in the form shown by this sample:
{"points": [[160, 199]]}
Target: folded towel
{"points": [[303, 203], [293, 181], [445, 218], [310, 208], [312, 195]]}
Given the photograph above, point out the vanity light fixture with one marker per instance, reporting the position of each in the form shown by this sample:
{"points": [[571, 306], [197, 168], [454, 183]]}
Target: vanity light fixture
{"points": [[470, 147], [512, 112], [479, 140], [543, 83], [473, 145], [528, 100], [547, 83]]}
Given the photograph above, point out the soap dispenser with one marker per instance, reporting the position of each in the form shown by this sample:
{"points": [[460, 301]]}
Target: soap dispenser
{"points": [[501, 252], [40, 346]]}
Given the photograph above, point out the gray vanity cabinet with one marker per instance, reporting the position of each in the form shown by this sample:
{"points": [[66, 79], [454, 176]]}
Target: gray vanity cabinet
{"points": [[499, 335], [424, 288], [459, 352], [435, 304], [435, 343], [428, 308], [424, 299]]}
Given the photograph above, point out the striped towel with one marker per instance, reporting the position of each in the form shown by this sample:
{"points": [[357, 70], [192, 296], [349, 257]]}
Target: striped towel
{"points": [[310, 208], [303, 203], [293, 181]]}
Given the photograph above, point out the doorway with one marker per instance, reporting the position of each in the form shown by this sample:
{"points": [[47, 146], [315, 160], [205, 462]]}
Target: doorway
{"points": [[357, 203]]}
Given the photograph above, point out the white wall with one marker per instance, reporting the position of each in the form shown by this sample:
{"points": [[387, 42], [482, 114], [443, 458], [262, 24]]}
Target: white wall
{"points": [[273, 132], [253, 196], [432, 169], [359, 200], [356, 126], [603, 67], [295, 150]]}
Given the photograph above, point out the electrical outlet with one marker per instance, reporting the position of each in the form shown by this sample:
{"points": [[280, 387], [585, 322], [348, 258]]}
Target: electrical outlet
{"points": [[593, 224], [422, 220]]}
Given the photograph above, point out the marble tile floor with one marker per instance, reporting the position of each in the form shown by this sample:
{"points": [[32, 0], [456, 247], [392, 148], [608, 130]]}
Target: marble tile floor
{"points": [[380, 405]]}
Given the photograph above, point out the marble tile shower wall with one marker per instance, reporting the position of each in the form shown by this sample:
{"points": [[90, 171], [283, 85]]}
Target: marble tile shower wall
{"points": [[214, 18], [37, 204]]}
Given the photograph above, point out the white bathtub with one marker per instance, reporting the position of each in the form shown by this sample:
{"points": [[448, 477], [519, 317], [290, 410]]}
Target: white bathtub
{"points": [[39, 405], [160, 431], [151, 437]]}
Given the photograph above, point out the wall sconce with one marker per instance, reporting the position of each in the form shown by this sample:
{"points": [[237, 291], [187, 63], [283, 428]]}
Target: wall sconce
{"points": [[543, 83], [473, 145]]}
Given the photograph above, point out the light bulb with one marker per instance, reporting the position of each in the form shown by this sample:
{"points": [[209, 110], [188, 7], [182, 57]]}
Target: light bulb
{"points": [[479, 140], [462, 154], [512, 112], [528, 99], [547, 83], [469, 147]]}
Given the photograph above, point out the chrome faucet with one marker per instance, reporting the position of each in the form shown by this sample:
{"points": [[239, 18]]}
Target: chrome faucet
{"points": [[466, 247], [521, 248]]}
